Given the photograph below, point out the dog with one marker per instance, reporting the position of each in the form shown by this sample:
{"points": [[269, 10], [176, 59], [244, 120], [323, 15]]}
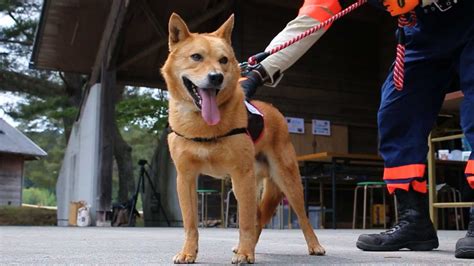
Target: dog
{"points": [[208, 118]]}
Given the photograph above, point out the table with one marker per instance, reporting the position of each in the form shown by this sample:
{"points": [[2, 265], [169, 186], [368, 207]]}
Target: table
{"points": [[451, 103], [334, 158]]}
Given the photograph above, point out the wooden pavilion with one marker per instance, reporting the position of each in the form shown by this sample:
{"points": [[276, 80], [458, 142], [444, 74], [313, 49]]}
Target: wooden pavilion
{"points": [[125, 42]]}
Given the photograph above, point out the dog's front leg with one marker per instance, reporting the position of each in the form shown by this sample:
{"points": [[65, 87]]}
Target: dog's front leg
{"points": [[186, 185], [244, 186]]}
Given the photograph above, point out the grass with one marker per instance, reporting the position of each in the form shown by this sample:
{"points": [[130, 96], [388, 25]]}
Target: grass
{"points": [[36, 216], [26, 216]]}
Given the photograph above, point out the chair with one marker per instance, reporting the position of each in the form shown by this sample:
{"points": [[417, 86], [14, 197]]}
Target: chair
{"points": [[453, 195], [366, 186], [433, 204], [204, 193]]}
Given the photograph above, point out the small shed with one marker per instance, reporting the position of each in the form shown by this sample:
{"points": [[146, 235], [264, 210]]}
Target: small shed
{"points": [[15, 149]]}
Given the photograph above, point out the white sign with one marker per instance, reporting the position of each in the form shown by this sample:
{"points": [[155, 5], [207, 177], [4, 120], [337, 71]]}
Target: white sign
{"points": [[295, 125], [321, 127]]}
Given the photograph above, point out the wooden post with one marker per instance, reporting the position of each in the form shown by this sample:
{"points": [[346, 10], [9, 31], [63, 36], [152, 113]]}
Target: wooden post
{"points": [[105, 68], [106, 149]]}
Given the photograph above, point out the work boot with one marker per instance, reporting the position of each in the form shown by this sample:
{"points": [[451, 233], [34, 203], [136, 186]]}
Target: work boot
{"points": [[465, 245], [414, 229]]}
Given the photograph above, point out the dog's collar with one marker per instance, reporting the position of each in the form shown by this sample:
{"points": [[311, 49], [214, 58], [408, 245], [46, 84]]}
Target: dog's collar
{"points": [[234, 131]]}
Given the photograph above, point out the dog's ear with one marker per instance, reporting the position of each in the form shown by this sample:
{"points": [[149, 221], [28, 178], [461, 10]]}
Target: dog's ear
{"points": [[225, 31], [178, 31]]}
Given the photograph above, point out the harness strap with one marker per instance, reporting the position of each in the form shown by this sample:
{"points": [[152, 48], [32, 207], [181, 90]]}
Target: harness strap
{"points": [[234, 131]]}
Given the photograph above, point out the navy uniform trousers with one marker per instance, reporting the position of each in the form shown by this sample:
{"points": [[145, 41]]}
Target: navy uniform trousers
{"points": [[439, 48]]}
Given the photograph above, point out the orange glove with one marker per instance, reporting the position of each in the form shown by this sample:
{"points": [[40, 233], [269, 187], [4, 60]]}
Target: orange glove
{"points": [[399, 7]]}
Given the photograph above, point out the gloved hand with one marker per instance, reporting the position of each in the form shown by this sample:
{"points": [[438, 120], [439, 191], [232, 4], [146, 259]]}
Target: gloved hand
{"points": [[253, 79], [250, 83], [399, 7]]}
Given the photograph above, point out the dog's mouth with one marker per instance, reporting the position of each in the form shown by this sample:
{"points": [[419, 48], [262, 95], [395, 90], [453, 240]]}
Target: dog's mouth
{"points": [[206, 100]]}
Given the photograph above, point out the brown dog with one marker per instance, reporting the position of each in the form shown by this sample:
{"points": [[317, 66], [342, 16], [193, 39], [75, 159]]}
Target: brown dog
{"points": [[207, 104]]}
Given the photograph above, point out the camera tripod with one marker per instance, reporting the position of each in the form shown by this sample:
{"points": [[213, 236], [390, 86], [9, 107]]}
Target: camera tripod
{"points": [[141, 183]]}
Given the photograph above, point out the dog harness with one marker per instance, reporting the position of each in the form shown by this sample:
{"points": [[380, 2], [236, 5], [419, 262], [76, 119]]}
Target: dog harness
{"points": [[234, 131], [256, 122], [254, 128]]}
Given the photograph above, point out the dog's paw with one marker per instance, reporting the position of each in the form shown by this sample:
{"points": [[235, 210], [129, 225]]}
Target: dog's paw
{"points": [[235, 249], [182, 258], [317, 250], [239, 258]]}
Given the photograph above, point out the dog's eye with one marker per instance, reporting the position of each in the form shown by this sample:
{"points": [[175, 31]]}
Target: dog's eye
{"points": [[223, 60], [196, 57]]}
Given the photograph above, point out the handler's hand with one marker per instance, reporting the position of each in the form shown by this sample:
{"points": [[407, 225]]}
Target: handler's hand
{"points": [[250, 83], [252, 78], [399, 7]]}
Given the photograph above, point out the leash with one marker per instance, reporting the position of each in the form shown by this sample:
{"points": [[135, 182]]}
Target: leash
{"points": [[408, 20], [255, 59]]}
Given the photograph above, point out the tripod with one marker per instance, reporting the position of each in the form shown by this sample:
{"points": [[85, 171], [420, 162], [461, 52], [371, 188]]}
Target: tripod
{"points": [[141, 183]]}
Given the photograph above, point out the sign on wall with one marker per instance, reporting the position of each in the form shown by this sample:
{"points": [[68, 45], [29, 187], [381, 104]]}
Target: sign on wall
{"points": [[321, 127], [295, 125]]}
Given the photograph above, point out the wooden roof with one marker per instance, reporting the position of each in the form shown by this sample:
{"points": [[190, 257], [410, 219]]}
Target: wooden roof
{"points": [[70, 32], [12, 141], [338, 78]]}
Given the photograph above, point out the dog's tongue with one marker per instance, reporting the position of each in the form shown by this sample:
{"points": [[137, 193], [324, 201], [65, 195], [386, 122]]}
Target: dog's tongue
{"points": [[209, 110]]}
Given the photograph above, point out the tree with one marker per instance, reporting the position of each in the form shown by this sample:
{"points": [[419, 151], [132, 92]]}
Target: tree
{"points": [[43, 173], [142, 114], [55, 96], [52, 99]]}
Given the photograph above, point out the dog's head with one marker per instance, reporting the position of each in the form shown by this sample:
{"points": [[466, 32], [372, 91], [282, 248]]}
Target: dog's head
{"points": [[201, 69]]}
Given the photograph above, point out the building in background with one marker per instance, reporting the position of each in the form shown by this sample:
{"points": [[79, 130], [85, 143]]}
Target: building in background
{"points": [[15, 149]]}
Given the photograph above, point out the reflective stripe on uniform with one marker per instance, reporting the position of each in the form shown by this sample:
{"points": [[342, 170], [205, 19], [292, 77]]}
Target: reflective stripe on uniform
{"points": [[470, 167], [405, 171], [320, 10]]}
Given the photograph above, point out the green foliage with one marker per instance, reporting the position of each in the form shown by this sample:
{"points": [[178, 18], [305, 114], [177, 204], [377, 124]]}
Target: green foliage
{"points": [[145, 108], [143, 145], [43, 173], [27, 216], [17, 39], [142, 141], [39, 196], [39, 114], [141, 113]]}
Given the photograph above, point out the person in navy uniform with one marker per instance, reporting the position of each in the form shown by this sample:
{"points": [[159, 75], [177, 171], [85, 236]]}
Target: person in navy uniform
{"points": [[438, 48]]}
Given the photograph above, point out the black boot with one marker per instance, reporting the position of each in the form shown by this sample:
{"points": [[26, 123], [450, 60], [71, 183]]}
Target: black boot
{"points": [[414, 229], [465, 245]]}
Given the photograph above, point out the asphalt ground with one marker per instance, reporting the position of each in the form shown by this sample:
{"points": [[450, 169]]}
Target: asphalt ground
{"points": [[96, 245]]}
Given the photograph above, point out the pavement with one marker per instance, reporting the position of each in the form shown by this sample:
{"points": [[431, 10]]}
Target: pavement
{"points": [[99, 245]]}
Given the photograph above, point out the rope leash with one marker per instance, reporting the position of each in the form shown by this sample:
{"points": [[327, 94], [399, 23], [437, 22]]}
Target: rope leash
{"points": [[404, 20], [255, 59], [408, 20]]}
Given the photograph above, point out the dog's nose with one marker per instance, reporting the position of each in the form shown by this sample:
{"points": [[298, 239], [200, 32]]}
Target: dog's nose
{"points": [[215, 78]]}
